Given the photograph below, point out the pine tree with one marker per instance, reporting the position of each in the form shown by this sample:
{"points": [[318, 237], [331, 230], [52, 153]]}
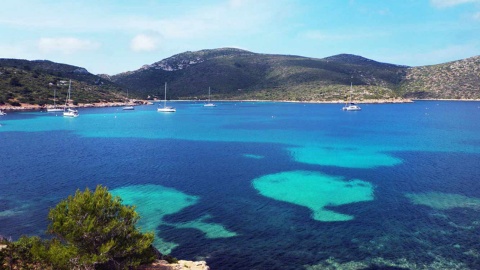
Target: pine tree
{"points": [[101, 229]]}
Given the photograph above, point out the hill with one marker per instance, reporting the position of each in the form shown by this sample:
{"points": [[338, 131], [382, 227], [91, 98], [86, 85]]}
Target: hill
{"points": [[34, 82], [242, 75], [239, 74], [453, 80]]}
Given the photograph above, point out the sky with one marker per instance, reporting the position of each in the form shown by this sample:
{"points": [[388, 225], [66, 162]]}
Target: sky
{"points": [[114, 36]]}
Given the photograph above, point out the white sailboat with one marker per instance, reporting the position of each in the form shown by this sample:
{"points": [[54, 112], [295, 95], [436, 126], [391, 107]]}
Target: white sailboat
{"points": [[351, 106], [209, 104], [165, 108], [67, 112], [2, 113], [128, 107], [54, 108]]}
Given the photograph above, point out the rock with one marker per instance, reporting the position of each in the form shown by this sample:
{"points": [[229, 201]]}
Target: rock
{"points": [[181, 265]]}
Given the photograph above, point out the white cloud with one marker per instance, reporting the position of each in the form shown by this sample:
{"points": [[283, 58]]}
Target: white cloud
{"points": [[143, 42], [476, 16], [224, 19], [450, 3], [66, 45]]}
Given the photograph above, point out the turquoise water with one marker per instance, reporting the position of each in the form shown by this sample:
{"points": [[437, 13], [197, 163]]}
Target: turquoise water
{"points": [[263, 185]]}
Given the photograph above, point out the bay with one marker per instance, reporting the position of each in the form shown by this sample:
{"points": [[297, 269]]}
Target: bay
{"points": [[263, 185]]}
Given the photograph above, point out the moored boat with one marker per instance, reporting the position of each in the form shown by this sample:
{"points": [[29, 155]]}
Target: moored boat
{"points": [[166, 108], [209, 104], [54, 108], [68, 112], [351, 106]]}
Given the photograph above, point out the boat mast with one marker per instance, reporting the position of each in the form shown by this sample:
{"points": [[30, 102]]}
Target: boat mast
{"points": [[351, 89], [68, 94], [165, 97]]}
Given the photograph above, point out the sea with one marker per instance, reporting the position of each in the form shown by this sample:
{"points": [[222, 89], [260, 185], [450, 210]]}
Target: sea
{"points": [[263, 185]]}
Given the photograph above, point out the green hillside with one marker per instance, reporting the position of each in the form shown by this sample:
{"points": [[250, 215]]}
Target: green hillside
{"points": [[239, 74], [34, 82], [453, 80]]}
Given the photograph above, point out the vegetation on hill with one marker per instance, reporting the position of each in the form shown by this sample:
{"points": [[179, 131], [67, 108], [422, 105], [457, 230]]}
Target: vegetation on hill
{"points": [[235, 74], [92, 230], [239, 74], [34, 82], [453, 80]]}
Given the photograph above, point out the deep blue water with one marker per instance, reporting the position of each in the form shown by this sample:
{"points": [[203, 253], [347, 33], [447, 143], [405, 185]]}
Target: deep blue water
{"points": [[236, 179]]}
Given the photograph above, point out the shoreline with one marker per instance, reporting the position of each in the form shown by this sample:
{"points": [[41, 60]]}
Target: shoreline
{"points": [[445, 99], [35, 107]]}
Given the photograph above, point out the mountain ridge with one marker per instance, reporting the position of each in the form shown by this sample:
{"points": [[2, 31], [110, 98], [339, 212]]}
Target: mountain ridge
{"points": [[240, 74], [236, 74]]}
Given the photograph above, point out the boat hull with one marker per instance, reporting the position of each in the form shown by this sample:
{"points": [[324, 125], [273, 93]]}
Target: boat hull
{"points": [[70, 113], [351, 107], [166, 109], [356, 108], [55, 110]]}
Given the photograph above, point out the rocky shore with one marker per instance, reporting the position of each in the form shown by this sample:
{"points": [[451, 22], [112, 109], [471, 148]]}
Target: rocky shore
{"points": [[164, 265], [36, 107], [181, 265]]}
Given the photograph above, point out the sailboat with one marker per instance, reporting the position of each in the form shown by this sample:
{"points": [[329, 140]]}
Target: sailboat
{"points": [[54, 108], [209, 104], [67, 112], [2, 113], [128, 107], [351, 106], [165, 108]]}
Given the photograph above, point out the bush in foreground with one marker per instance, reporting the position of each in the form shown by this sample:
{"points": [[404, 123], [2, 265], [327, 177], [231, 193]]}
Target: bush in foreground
{"points": [[92, 230]]}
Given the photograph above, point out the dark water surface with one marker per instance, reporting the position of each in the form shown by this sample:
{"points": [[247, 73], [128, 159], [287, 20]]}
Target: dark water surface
{"points": [[264, 185]]}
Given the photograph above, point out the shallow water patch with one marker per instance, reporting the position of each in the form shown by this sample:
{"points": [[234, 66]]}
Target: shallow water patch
{"points": [[444, 201], [154, 202], [315, 191], [211, 230], [8, 210], [253, 156], [343, 157]]}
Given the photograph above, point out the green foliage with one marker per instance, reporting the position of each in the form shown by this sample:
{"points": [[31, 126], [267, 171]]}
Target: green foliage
{"points": [[238, 74], [60, 256], [14, 81], [26, 253], [454, 80], [34, 82], [100, 227], [92, 230]]}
